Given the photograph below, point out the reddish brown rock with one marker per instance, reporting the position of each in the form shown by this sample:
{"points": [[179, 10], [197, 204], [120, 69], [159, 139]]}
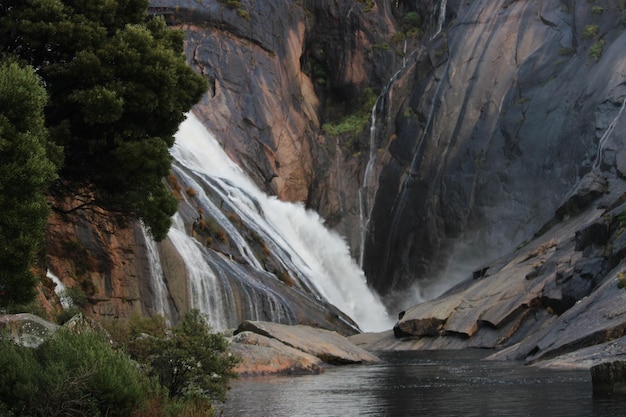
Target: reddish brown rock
{"points": [[262, 355]]}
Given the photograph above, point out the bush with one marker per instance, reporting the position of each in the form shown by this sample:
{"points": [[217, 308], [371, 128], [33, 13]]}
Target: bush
{"points": [[81, 374], [595, 52], [591, 31], [597, 9], [191, 362], [70, 374], [354, 123]]}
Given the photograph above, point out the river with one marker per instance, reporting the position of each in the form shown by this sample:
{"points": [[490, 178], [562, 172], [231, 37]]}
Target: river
{"points": [[441, 384]]}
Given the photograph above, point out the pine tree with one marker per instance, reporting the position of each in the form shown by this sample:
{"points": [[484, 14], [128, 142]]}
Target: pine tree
{"points": [[119, 87], [26, 170]]}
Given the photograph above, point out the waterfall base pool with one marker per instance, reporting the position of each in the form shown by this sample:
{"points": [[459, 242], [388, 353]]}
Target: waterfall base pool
{"points": [[442, 384]]}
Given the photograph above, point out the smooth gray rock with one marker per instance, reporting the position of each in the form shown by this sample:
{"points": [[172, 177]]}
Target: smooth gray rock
{"points": [[262, 355], [330, 347]]}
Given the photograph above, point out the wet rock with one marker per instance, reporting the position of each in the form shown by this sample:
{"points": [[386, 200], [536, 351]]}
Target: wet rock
{"points": [[469, 173], [594, 234], [609, 378], [330, 347], [588, 357], [590, 187]]}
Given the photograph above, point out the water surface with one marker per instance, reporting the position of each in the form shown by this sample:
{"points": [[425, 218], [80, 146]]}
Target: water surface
{"points": [[441, 384]]}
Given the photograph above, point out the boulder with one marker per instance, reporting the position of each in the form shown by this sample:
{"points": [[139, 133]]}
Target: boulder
{"points": [[609, 378], [330, 347], [586, 358], [26, 329], [265, 356]]}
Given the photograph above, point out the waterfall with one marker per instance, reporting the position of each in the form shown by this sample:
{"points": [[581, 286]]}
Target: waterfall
{"points": [[441, 18], [606, 135], [60, 290], [316, 257], [366, 194], [369, 187], [204, 289], [158, 286]]}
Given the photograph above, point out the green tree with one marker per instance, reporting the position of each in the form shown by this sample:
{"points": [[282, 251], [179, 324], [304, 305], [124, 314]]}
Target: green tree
{"points": [[191, 362], [119, 87], [25, 171]]}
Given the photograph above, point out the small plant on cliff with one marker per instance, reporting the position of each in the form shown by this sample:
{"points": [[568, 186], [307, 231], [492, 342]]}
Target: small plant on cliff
{"points": [[368, 5], [595, 52], [591, 31], [353, 124], [411, 24]]}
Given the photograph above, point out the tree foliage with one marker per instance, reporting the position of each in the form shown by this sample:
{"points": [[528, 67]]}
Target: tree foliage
{"points": [[25, 172], [191, 362], [119, 87]]}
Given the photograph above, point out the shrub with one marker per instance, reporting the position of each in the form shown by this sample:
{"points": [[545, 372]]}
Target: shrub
{"points": [[411, 23], [595, 52], [591, 31], [353, 124], [70, 374], [192, 362]]}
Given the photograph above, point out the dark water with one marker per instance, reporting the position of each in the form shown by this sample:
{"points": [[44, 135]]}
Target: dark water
{"points": [[441, 384]]}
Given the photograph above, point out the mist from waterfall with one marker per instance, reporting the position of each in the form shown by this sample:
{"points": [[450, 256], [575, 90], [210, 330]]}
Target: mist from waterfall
{"points": [[318, 258]]}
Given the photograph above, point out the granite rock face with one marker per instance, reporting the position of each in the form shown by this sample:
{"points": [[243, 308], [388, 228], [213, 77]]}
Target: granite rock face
{"points": [[479, 135], [505, 124], [556, 302], [491, 138], [263, 355], [330, 347]]}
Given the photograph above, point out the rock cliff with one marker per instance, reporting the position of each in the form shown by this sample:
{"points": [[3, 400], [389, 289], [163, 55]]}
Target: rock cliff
{"points": [[479, 134], [495, 120], [502, 116]]}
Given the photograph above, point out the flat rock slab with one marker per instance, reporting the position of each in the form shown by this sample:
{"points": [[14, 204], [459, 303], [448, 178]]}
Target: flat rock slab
{"points": [[265, 356], [326, 345]]}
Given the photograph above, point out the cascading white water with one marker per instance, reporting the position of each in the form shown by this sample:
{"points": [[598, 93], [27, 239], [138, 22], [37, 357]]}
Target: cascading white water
{"points": [[204, 289], [60, 290], [158, 286], [319, 257]]}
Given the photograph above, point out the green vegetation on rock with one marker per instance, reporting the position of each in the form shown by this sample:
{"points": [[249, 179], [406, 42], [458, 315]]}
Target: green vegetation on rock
{"points": [[352, 124]]}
